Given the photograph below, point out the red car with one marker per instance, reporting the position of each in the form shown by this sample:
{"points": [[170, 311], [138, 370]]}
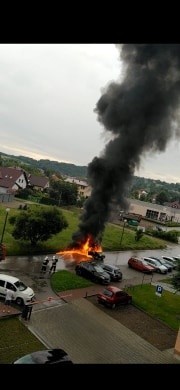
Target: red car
{"points": [[113, 296], [140, 265]]}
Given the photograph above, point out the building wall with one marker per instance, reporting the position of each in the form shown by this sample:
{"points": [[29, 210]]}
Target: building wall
{"points": [[138, 207], [87, 191], [3, 190], [21, 181], [6, 197]]}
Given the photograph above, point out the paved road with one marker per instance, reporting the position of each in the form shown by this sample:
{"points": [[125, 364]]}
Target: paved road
{"points": [[32, 264], [28, 267], [92, 337]]}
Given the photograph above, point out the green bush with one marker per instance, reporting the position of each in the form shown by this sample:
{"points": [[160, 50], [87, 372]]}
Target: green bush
{"points": [[168, 236]]}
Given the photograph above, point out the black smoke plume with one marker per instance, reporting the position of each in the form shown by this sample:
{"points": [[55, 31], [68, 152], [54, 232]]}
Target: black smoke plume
{"points": [[141, 113]]}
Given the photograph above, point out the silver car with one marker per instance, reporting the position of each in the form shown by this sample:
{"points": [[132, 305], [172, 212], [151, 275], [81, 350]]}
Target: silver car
{"points": [[163, 262], [157, 266], [171, 260], [114, 272]]}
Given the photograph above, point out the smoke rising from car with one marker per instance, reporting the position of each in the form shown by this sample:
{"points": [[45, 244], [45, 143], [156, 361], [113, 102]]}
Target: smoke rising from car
{"points": [[141, 115]]}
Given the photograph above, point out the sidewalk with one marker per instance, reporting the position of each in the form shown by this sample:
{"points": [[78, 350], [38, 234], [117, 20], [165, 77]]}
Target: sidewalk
{"points": [[70, 295]]}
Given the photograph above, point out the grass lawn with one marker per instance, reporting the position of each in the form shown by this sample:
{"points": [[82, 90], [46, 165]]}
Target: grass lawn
{"points": [[64, 280], [111, 237], [16, 340], [166, 308]]}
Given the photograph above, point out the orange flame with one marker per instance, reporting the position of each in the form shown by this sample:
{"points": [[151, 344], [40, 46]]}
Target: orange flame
{"points": [[82, 249]]}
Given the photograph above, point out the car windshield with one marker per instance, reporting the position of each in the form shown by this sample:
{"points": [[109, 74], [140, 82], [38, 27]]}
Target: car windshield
{"points": [[25, 360], [107, 293], [20, 285], [98, 269], [117, 271], [162, 261]]}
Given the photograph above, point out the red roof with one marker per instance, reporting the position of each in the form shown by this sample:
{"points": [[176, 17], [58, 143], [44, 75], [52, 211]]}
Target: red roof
{"points": [[9, 176]]}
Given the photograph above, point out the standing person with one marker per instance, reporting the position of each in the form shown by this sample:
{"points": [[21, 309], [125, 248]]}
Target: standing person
{"points": [[9, 297], [44, 265], [53, 266], [26, 312]]}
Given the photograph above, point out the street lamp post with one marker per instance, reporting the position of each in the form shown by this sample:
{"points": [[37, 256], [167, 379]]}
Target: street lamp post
{"points": [[125, 220], [7, 211]]}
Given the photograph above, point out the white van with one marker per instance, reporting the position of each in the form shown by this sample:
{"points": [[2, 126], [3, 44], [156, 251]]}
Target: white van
{"points": [[22, 293]]}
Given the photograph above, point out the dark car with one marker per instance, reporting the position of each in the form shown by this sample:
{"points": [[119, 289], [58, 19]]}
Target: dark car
{"points": [[49, 356], [113, 296], [93, 271], [114, 272]]}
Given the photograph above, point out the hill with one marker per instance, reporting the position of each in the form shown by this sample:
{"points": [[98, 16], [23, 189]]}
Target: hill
{"points": [[62, 168], [66, 169]]}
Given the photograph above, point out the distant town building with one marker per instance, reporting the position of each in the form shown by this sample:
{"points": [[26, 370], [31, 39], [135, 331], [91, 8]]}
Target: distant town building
{"points": [[12, 179], [154, 211], [83, 188], [39, 183]]}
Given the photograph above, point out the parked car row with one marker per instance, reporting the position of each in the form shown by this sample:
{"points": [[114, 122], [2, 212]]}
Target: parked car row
{"points": [[98, 272], [152, 264]]}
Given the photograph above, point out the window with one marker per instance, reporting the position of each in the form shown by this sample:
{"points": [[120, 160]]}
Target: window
{"points": [[107, 268], [152, 214], [2, 283], [10, 286]]}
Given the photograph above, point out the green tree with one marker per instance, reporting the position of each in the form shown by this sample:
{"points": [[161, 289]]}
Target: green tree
{"points": [[64, 193], [142, 197], [162, 197], [176, 277], [34, 226]]}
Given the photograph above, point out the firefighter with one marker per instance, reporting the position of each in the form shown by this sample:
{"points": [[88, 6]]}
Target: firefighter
{"points": [[53, 266], [44, 265]]}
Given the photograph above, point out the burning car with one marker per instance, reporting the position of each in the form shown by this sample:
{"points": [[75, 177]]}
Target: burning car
{"points": [[96, 255]]}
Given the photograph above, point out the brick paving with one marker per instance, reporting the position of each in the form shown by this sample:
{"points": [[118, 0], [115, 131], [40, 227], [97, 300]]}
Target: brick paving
{"points": [[8, 311], [91, 337], [71, 295]]}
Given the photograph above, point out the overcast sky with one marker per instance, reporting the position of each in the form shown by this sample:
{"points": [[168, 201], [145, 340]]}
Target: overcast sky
{"points": [[48, 93]]}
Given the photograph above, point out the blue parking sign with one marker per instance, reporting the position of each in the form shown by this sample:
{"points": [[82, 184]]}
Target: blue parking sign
{"points": [[159, 290]]}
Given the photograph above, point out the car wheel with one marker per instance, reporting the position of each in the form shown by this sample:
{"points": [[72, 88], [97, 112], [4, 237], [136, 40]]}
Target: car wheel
{"points": [[113, 306], [79, 272], [129, 301], [19, 301]]}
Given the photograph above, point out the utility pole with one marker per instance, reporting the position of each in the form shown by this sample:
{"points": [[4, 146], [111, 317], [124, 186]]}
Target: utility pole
{"points": [[125, 220]]}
